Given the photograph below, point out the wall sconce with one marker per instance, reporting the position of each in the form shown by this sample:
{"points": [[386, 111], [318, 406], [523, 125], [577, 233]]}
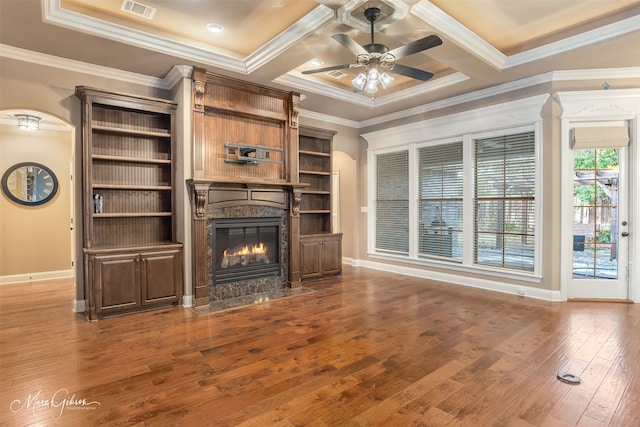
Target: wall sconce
{"points": [[27, 122]]}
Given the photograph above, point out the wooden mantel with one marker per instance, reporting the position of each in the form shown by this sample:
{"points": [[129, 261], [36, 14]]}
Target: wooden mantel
{"points": [[232, 113]]}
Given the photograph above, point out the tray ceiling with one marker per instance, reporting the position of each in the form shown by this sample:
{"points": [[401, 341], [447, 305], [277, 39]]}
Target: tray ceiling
{"points": [[486, 42]]}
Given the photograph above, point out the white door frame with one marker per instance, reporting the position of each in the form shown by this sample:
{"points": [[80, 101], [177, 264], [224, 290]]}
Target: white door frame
{"points": [[604, 106]]}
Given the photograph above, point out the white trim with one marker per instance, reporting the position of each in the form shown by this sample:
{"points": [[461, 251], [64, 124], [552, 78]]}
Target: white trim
{"points": [[474, 282], [47, 60], [327, 118], [459, 34], [600, 106], [187, 300], [305, 84], [292, 35], [53, 13], [587, 38], [521, 112], [507, 118], [35, 277], [79, 306], [345, 14], [549, 77], [298, 82]]}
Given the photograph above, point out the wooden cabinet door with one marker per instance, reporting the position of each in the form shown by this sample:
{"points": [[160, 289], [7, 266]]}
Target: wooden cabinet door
{"points": [[117, 282], [310, 261], [332, 256], [161, 277]]}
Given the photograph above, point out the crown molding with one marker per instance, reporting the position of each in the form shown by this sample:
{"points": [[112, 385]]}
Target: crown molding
{"points": [[591, 104], [399, 7], [283, 41], [295, 79], [176, 73], [587, 38], [54, 14], [329, 119], [423, 88], [520, 112], [458, 33], [552, 76], [182, 71]]}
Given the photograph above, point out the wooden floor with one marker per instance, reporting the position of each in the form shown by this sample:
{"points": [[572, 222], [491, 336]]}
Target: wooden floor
{"points": [[372, 349]]}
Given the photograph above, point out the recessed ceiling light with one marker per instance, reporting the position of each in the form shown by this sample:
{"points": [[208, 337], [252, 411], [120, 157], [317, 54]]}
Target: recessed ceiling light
{"points": [[316, 61], [215, 28]]}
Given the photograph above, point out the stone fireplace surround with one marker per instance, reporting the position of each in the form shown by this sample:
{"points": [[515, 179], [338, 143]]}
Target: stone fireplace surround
{"points": [[251, 286], [213, 201]]}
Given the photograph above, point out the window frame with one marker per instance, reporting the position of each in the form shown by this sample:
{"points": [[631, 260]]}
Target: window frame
{"points": [[467, 265]]}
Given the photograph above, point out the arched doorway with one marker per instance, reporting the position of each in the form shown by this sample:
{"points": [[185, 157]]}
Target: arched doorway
{"points": [[38, 240]]}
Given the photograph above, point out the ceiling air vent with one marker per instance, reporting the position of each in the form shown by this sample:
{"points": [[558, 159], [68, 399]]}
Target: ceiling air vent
{"points": [[337, 74], [138, 9]]}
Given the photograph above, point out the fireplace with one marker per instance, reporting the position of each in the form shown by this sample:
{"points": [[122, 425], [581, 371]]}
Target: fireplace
{"points": [[242, 242], [245, 249]]}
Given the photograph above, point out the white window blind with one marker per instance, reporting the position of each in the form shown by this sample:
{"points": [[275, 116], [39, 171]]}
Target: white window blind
{"points": [[504, 201], [392, 202], [440, 172]]}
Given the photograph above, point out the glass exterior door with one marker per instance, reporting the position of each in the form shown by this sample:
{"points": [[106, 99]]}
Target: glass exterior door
{"points": [[600, 249]]}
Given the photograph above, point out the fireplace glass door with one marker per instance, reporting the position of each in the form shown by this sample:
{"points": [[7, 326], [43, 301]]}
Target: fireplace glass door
{"points": [[246, 249]]}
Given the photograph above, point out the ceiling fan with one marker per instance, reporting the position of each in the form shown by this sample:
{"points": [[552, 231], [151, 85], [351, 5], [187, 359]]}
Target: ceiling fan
{"points": [[378, 59]]}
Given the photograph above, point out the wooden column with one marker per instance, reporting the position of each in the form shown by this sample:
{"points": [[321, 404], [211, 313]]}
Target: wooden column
{"points": [[200, 270], [294, 239], [198, 86]]}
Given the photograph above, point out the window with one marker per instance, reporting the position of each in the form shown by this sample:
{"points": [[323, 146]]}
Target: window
{"points": [[504, 203], [392, 202], [440, 180]]}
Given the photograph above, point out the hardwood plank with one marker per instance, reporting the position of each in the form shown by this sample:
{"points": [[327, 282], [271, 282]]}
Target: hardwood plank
{"points": [[368, 349]]}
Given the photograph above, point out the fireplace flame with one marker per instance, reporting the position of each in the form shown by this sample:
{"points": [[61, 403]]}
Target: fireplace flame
{"points": [[260, 248]]}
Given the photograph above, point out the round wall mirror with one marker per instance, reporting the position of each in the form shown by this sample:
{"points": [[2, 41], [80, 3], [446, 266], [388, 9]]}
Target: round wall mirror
{"points": [[29, 183]]}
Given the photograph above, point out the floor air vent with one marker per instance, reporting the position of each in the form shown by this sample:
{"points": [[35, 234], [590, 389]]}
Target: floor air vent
{"points": [[138, 9]]}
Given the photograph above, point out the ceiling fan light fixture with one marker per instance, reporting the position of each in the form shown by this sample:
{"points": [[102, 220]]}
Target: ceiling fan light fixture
{"points": [[386, 80], [371, 86], [359, 81], [317, 62], [373, 75]]}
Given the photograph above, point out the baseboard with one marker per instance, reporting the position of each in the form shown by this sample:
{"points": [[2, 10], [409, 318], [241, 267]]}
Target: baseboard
{"points": [[489, 285], [187, 300], [36, 277], [79, 306]]}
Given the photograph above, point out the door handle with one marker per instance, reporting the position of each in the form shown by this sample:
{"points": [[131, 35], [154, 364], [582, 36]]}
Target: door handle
{"points": [[624, 234]]}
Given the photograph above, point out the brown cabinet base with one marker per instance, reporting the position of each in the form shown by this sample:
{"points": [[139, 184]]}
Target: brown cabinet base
{"points": [[320, 256], [121, 282]]}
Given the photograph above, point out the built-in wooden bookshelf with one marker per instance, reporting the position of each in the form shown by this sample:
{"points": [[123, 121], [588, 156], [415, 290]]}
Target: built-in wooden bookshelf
{"points": [[320, 248], [133, 261]]}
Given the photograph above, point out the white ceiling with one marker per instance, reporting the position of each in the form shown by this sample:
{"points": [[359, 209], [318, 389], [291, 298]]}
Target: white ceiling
{"points": [[486, 43]]}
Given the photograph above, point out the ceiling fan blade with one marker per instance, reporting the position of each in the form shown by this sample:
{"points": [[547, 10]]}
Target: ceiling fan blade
{"points": [[414, 73], [416, 46], [335, 67], [350, 44]]}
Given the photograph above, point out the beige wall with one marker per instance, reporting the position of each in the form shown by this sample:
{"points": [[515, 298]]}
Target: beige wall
{"points": [[36, 239], [52, 91]]}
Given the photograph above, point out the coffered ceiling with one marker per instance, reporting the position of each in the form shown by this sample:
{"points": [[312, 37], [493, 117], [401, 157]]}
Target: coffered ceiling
{"points": [[485, 42]]}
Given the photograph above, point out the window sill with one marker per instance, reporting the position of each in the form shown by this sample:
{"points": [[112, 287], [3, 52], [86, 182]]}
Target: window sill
{"points": [[452, 266]]}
